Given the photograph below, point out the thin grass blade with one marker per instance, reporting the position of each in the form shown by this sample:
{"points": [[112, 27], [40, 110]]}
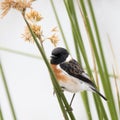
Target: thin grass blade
{"points": [[19, 52], [1, 114], [8, 93]]}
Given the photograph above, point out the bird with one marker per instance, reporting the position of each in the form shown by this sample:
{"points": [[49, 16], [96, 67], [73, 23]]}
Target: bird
{"points": [[70, 74]]}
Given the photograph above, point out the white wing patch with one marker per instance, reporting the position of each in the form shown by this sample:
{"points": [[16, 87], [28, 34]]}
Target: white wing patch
{"points": [[85, 75]]}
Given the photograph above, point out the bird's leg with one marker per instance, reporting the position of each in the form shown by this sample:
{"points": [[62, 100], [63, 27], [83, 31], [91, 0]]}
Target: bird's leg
{"points": [[54, 92], [71, 102], [72, 99]]}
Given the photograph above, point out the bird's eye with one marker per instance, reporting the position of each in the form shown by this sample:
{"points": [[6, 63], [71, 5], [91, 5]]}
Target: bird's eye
{"points": [[57, 55]]}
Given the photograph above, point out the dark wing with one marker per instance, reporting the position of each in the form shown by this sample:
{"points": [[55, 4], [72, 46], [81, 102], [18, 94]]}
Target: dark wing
{"points": [[73, 68]]}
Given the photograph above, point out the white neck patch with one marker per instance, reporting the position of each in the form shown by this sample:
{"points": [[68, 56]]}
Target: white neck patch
{"points": [[68, 58]]}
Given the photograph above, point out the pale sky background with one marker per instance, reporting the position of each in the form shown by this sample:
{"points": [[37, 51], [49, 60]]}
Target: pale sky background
{"points": [[28, 79]]}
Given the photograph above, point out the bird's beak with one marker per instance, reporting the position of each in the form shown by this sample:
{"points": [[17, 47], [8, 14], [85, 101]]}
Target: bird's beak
{"points": [[53, 56]]}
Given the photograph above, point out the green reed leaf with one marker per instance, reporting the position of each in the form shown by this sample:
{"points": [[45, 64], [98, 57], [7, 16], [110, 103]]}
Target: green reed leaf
{"points": [[19, 52], [7, 92]]}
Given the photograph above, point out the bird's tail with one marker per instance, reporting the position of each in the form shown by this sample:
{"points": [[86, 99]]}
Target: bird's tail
{"points": [[99, 93]]}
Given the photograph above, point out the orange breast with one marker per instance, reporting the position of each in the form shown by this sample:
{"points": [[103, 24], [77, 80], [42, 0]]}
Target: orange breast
{"points": [[60, 76]]}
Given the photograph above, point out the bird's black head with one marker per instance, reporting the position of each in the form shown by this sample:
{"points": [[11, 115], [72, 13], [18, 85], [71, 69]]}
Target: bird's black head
{"points": [[59, 55]]}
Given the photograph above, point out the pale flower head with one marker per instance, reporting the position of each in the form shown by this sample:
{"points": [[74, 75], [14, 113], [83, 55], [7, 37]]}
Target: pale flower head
{"points": [[54, 39], [35, 28], [33, 16], [20, 5], [55, 29]]}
